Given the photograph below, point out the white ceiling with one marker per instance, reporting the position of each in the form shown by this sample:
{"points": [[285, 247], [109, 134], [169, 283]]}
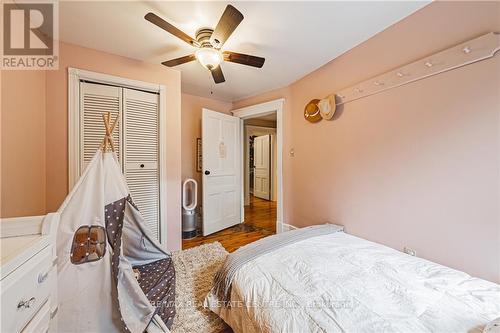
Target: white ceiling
{"points": [[294, 37]]}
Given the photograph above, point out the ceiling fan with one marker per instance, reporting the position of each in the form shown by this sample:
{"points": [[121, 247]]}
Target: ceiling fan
{"points": [[209, 43]]}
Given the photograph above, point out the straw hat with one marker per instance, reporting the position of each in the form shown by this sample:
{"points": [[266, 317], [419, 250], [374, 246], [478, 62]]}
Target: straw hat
{"points": [[311, 111], [327, 107]]}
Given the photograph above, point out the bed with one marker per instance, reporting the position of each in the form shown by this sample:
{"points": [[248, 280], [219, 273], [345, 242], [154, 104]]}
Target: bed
{"points": [[341, 283]]}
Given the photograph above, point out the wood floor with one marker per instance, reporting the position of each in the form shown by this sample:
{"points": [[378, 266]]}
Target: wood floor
{"points": [[260, 221]]}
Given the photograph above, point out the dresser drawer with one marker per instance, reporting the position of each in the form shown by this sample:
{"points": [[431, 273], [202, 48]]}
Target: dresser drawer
{"points": [[40, 323], [25, 290]]}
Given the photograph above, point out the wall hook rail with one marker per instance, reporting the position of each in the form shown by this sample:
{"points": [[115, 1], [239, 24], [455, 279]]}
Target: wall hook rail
{"points": [[474, 50]]}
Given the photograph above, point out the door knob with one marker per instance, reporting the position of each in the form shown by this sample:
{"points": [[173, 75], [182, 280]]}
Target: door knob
{"points": [[207, 172]]}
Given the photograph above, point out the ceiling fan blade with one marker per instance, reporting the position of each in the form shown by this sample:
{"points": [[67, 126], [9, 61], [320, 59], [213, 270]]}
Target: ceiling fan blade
{"points": [[229, 20], [179, 61], [158, 21], [218, 75], [244, 59]]}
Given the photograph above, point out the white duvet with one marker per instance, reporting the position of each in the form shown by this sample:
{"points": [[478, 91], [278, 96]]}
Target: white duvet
{"points": [[341, 283]]}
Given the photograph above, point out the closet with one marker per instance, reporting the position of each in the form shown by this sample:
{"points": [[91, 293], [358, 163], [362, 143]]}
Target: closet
{"points": [[136, 140]]}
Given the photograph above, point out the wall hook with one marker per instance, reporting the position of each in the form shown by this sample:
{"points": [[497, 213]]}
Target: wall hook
{"points": [[477, 49]]}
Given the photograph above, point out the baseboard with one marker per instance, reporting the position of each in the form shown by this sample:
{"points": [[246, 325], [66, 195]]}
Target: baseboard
{"points": [[287, 227]]}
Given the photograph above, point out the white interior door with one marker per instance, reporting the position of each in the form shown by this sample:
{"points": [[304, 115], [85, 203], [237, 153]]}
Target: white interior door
{"points": [[262, 170], [221, 171]]}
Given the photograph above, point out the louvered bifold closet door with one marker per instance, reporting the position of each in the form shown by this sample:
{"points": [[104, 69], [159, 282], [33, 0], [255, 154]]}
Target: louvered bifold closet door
{"points": [[141, 154], [96, 100]]}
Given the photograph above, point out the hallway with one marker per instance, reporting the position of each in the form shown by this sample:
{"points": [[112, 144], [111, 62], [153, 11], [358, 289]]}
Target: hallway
{"points": [[260, 221]]}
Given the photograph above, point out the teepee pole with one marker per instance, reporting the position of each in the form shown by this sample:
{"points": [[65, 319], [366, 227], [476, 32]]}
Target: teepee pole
{"points": [[108, 137], [108, 132]]}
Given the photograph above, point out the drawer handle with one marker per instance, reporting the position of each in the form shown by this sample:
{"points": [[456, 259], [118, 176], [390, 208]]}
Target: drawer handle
{"points": [[26, 304], [42, 277]]}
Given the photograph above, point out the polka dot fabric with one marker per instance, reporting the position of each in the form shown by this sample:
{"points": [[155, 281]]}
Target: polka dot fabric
{"points": [[157, 281], [114, 213]]}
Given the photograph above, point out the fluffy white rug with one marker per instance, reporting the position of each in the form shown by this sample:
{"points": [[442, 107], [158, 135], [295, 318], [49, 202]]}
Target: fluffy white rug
{"points": [[194, 272]]}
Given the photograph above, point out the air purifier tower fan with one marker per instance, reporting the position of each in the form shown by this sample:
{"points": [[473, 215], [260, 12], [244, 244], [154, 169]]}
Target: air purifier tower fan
{"points": [[189, 202]]}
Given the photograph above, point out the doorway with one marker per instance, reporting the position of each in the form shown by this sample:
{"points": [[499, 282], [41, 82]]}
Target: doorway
{"points": [[269, 117], [260, 171], [260, 162], [261, 210]]}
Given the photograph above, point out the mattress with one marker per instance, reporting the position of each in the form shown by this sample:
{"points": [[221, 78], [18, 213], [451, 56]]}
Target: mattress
{"points": [[342, 283]]}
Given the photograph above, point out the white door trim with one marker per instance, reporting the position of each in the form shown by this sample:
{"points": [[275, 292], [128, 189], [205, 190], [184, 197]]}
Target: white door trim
{"points": [[75, 75], [260, 110]]}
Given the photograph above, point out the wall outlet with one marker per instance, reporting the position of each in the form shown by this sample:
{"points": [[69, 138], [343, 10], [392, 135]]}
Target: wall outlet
{"points": [[409, 251]]}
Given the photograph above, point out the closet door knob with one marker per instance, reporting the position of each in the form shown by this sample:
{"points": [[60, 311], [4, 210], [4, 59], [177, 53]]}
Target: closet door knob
{"points": [[207, 172], [142, 165]]}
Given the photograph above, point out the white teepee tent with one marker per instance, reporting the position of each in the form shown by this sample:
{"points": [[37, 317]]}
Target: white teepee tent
{"points": [[113, 275]]}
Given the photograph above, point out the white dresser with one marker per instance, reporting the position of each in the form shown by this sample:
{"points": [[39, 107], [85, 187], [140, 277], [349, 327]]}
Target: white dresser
{"points": [[28, 283]]}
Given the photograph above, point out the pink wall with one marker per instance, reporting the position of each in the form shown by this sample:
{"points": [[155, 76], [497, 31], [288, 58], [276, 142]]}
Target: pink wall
{"points": [[35, 129], [191, 129], [415, 166], [23, 143]]}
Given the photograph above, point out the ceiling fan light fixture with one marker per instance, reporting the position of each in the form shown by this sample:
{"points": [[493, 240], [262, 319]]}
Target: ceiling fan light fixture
{"points": [[209, 58], [209, 43]]}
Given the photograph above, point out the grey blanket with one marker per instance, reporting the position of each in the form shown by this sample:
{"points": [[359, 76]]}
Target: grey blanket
{"points": [[234, 261]]}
